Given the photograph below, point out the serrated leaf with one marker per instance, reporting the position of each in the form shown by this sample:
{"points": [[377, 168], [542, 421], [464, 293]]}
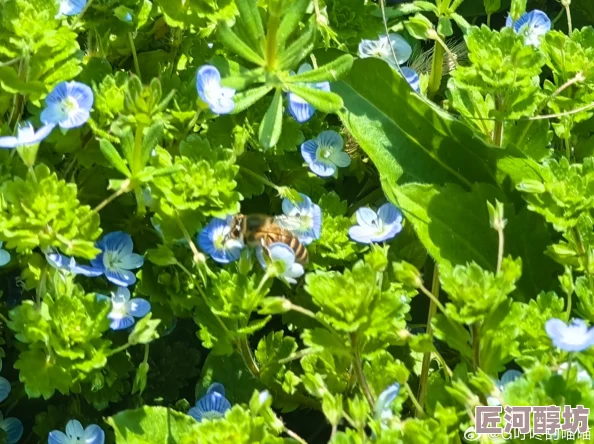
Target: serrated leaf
{"points": [[113, 157], [238, 46], [271, 126], [332, 71], [290, 21], [244, 99], [325, 101]]}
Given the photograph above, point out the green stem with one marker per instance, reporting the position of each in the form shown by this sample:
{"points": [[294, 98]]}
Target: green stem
{"points": [[359, 372], [498, 131], [500, 249], [433, 298], [476, 345], [567, 149], [312, 315], [19, 99], [119, 349], [295, 436], [4, 318], [569, 363], [124, 188], [271, 32], [413, 399], [259, 178], [199, 258], [134, 55], [427, 356], [558, 16], [568, 11], [436, 70], [489, 20], [246, 353], [140, 204]]}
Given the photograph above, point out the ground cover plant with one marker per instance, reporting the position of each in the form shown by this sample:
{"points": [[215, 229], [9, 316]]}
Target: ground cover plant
{"points": [[294, 221]]}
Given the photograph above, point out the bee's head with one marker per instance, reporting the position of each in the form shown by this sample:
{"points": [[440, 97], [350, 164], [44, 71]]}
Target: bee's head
{"points": [[237, 226]]}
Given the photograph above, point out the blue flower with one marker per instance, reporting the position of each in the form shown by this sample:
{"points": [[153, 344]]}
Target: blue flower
{"points": [[282, 258], [65, 263], [26, 136], [4, 256], [574, 337], [71, 7], [304, 219], [298, 107], [324, 155], [383, 404], [218, 98], [382, 49], [506, 378], [68, 105], [4, 387], [124, 310], [117, 259], [13, 428], [76, 434], [215, 241], [532, 25], [376, 227], [213, 405], [412, 78]]}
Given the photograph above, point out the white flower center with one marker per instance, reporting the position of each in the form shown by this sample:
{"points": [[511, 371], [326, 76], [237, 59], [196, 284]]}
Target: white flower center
{"points": [[69, 105], [118, 310], [111, 260], [325, 153]]}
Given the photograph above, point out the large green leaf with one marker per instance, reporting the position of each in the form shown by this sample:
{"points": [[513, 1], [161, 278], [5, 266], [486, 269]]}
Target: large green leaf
{"points": [[409, 139], [452, 223], [151, 425]]}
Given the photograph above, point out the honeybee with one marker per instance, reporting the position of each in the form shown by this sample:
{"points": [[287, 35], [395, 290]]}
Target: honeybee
{"points": [[260, 230]]}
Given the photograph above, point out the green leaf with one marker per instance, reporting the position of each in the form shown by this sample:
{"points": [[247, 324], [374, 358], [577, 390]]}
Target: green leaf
{"points": [[145, 331], [444, 27], [161, 256], [332, 71], [423, 144], [150, 141], [112, 155], [419, 27], [452, 224], [151, 425], [291, 17], [244, 99], [272, 123], [248, 9], [325, 101], [299, 49], [235, 44]]}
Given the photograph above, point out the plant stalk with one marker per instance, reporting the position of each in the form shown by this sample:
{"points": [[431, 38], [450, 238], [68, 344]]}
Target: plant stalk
{"points": [[359, 372], [436, 70]]}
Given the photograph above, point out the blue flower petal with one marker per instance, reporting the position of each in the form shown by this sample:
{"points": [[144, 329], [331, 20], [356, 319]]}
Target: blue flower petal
{"points": [[117, 241], [58, 437], [360, 234], [84, 270], [309, 150], [208, 84], [323, 168], [122, 278], [71, 7], [68, 105], [280, 252], [94, 435], [217, 388], [214, 402], [510, 376], [13, 428], [211, 241], [389, 214], [139, 307], [8, 142], [340, 159], [131, 261], [317, 221], [122, 323], [4, 389], [385, 400], [331, 139], [391, 231], [299, 108], [4, 257], [412, 78], [367, 218], [58, 261], [74, 429], [509, 22]]}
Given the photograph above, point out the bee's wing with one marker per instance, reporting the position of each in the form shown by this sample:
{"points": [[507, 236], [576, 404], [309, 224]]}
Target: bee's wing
{"points": [[290, 223]]}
